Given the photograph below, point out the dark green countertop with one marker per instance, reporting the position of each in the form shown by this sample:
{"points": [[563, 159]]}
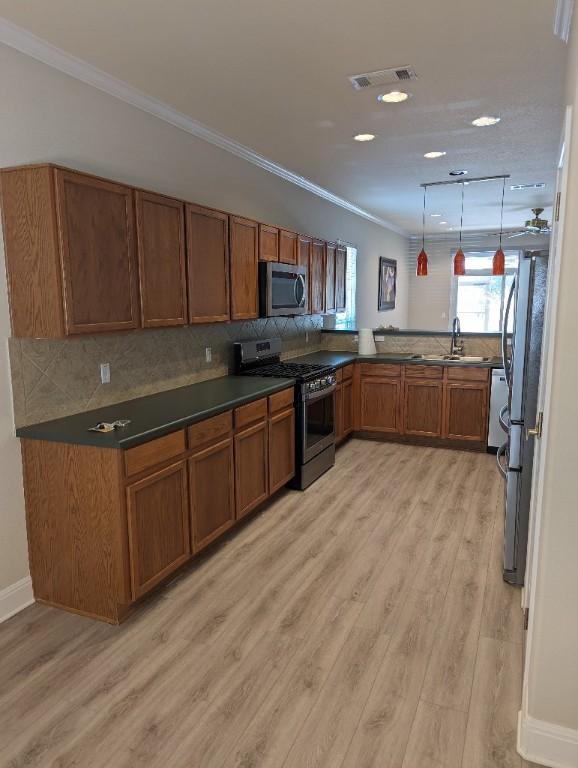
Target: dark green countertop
{"points": [[339, 359], [156, 415]]}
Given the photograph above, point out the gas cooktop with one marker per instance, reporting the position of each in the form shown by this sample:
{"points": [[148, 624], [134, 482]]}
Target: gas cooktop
{"points": [[288, 370]]}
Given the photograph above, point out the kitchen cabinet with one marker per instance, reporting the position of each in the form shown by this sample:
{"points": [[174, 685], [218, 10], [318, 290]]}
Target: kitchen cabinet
{"points": [[340, 272], [268, 243], [466, 411], [330, 278], [208, 264], [317, 275], [160, 226], [281, 448], [287, 247], [251, 468], [422, 407], [244, 251], [158, 526], [344, 403], [304, 260], [211, 480], [380, 405]]}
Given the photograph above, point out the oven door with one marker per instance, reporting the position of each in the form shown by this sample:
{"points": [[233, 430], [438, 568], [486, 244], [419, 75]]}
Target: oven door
{"points": [[283, 289], [317, 425]]}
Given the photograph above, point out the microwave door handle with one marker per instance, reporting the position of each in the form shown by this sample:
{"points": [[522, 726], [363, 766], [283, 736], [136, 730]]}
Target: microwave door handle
{"points": [[299, 297], [505, 360]]}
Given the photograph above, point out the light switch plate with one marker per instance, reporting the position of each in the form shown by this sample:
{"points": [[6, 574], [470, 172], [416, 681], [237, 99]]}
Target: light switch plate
{"points": [[208, 354], [105, 373]]}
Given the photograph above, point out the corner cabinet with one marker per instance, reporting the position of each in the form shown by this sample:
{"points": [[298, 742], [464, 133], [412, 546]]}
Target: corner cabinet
{"points": [[244, 249], [304, 260]]}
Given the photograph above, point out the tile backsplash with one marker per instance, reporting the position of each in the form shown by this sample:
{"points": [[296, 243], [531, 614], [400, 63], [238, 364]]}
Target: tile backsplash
{"points": [[486, 346], [51, 378]]}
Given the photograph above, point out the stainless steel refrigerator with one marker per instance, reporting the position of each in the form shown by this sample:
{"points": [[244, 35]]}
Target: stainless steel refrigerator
{"points": [[521, 354]]}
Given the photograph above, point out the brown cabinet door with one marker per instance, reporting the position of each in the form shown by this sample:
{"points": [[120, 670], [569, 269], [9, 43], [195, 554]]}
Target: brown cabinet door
{"points": [[466, 412], [281, 449], [160, 227], [244, 261], [330, 278], [211, 483], [158, 526], [340, 270], [96, 227], [380, 405], [317, 281], [339, 413], [287, 247], [423, 402], [251, 468], [268, 243], [208, 260], [347, 407], [304, 260]]}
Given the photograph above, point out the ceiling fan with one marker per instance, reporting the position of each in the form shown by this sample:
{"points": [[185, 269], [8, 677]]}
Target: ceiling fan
{"points": [[535, 226]]}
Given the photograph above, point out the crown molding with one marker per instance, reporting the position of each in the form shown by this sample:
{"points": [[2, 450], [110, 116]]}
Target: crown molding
{"points": [[41, 50]]}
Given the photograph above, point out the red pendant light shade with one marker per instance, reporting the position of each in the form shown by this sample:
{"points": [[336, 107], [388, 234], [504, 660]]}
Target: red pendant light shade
{"points": [[499, 262], [421, 270], [459, 263]]}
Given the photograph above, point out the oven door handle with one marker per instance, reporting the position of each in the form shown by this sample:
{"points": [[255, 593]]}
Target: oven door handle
{"points": [[311, 396]]}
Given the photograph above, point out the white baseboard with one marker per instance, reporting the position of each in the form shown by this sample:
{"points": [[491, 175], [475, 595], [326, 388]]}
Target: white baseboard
{"points": [[15, 597], [546, 743]]}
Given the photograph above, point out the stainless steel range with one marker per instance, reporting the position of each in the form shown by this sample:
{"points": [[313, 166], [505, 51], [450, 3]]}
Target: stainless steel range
{"points": [[314, 403]]}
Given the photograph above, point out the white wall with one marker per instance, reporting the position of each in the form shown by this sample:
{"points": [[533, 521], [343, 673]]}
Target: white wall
{"points": [[392, 247], [48, 116], [549, 722]]}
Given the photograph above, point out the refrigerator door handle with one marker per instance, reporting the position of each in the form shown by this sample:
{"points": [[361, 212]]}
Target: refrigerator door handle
{"points": [[505, 359], [504, 421], [501, 451], [511, 522]]}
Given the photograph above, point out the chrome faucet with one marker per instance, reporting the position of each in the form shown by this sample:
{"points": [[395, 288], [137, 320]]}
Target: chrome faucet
{"points": [[457, 347]]}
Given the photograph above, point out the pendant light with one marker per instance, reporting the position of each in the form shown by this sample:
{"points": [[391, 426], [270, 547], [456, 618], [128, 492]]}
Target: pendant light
{"points": [[459, 258], [421, 268], [499, 260]]}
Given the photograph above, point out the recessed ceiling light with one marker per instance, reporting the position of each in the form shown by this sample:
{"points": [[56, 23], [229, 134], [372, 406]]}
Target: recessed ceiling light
{"points": [[458, 172], [394, 97], [364, 137], [442, 222], [485, 120], [433, 155], [435, 215]]}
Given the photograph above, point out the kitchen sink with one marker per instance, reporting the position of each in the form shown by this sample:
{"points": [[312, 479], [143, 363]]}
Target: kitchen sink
{"points": [[452, 358]]}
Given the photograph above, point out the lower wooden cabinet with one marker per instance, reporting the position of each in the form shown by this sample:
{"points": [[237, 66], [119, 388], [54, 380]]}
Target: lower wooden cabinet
{"points": [[344, 405], [281, 449], [380, 405], [158, 526], [251, 468], [423, 408], [212, 494], [466, 412]]}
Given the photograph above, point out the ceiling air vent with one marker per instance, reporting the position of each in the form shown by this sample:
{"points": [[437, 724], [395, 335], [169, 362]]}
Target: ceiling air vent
{"points": [[382, 77]]}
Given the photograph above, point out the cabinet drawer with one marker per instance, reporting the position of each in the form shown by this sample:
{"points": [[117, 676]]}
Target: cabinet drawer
{"points": [[281, 400], [210, 430], [461, 373], [423, 371], [251, 413], [385, 370], [154, 452]]}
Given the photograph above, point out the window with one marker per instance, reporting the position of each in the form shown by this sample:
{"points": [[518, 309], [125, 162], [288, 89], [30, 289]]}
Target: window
{"points": [[478, 298], [348, 317]]}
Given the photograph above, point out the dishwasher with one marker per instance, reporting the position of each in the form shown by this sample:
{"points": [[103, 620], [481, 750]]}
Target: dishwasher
{"points": [[498, 399]]}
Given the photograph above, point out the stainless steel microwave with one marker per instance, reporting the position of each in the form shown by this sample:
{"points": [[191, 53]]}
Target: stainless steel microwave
{"points": [[282, 289]]}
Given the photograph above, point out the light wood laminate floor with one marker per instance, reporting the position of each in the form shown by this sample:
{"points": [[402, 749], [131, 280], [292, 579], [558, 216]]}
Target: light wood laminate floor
{"points": [[363, 623]]}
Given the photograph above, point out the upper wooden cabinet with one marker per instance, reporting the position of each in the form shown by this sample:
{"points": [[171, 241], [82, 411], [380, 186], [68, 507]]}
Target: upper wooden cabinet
{"points": [[160, 226], [244, 238], [317, 278], [208, 261], [287, 247], [304, 260], [268, 243], [340, 271], [70, 252], [330, 278]]}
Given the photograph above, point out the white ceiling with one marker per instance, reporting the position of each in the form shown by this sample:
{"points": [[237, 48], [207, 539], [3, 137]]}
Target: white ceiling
{"points": [[272, 75]]}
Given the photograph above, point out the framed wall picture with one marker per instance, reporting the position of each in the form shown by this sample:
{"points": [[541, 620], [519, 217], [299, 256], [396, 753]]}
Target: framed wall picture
{"points": [[387, 284]]}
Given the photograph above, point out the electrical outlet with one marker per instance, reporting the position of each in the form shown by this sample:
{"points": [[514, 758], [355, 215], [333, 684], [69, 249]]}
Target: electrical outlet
{"points": [[208, 354], [105, 373], [380, 338]]}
